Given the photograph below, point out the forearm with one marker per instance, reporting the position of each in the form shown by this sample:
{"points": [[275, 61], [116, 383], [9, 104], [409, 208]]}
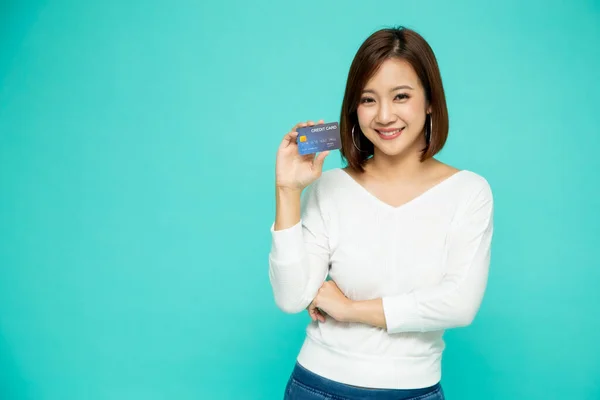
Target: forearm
{"points": [[299, 257], [406, 316], [287, 207], [287, 276], [369, 312]]}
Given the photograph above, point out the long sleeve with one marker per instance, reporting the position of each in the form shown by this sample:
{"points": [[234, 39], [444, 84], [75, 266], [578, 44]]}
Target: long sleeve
{"points": [[455, 301], [299, 256]]}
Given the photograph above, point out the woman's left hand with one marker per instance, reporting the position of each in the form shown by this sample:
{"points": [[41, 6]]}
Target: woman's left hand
{"points": [[331, 301]]}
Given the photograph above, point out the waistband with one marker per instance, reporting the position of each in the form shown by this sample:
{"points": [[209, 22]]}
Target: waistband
{"points": [[370, 371], [326, 386]]}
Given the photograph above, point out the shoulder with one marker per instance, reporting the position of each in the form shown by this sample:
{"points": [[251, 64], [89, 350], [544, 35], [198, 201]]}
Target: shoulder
{"points": [[475, 183], [328, 180], [468, 189], [467, 183], [473, 179], [476, 196], [322, 190]]}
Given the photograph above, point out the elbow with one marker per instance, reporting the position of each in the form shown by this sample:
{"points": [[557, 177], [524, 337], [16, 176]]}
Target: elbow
{"points": [[290, 305], [464, 320], [289, 298], [465, 315]]}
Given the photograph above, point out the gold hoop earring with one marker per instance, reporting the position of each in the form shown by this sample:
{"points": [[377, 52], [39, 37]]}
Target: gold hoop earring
{"points": [[353, 140], [428, 134]]}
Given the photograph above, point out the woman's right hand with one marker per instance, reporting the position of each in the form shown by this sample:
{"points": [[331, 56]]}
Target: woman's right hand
{"points": [[292, 170]]}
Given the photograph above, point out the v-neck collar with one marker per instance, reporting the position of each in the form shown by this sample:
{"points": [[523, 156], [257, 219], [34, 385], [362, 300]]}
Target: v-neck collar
{"points": [[404, 205]]}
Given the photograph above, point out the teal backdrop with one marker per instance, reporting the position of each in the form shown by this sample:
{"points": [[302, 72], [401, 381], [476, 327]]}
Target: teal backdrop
{"points": [[137, 153]]}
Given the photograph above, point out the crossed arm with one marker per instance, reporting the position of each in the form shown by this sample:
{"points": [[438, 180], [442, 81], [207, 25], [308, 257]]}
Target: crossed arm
{"points": [[298, 269]]}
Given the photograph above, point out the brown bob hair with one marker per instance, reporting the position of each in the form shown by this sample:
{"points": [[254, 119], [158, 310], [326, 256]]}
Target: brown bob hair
{"points": [[399, 43]]}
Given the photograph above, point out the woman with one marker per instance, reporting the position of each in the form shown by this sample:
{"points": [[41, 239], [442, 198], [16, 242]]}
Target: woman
{"points": [[403, 238]]}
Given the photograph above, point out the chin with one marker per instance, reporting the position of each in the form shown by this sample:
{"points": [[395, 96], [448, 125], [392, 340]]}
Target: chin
{"points": [[395, 147], [392, 152]]}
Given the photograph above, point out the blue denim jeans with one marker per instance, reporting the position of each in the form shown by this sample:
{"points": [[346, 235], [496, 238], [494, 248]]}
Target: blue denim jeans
{"points": [[306, 385]]}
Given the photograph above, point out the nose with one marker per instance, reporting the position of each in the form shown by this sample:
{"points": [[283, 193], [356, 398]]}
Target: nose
{"points": [[385, 113]]}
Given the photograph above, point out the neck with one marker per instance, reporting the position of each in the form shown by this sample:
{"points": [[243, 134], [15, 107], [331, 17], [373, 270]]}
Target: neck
{"points": [[402, 167]]}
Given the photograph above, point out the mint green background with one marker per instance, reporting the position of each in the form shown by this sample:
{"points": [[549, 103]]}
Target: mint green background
{"points": [[137, 150]]}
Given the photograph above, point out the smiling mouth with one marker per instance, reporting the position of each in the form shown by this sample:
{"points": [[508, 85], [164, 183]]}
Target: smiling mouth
{"points": [[390, 134]]}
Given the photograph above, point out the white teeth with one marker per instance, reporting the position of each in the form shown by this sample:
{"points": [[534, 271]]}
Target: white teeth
{"points": [[390, 133]]}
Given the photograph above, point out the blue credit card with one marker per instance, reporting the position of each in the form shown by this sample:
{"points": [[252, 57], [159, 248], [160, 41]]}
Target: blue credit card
{"points": [[317, 138]]}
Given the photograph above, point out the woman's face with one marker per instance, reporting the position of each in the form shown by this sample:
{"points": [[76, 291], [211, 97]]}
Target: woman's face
{"points": [[392, 109]]}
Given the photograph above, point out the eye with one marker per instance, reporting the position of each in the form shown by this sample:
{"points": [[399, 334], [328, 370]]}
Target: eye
{"points": [[366, 100], [402, 96]]}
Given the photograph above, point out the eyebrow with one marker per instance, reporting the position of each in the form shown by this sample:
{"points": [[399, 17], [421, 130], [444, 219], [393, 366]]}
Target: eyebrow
{"points": [[391, 90]]}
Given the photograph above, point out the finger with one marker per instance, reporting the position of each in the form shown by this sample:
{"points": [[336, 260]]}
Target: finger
{"points": [[289, 139], [312, 311], [315, 313], [299, 125], [319, 316], [293, 135], [307, 123], [320, 159]]}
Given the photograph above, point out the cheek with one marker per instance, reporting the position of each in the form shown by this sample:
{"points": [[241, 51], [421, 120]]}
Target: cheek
{"points": [[365, 114], [411, 113]]}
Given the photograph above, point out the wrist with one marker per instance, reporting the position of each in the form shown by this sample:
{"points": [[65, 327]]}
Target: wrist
{"points": [[351, 311], [287, 190], [368, 312]]}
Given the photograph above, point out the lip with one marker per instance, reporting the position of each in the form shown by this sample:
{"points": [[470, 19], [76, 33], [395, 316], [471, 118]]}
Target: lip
{"points": [[389, 130]]}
